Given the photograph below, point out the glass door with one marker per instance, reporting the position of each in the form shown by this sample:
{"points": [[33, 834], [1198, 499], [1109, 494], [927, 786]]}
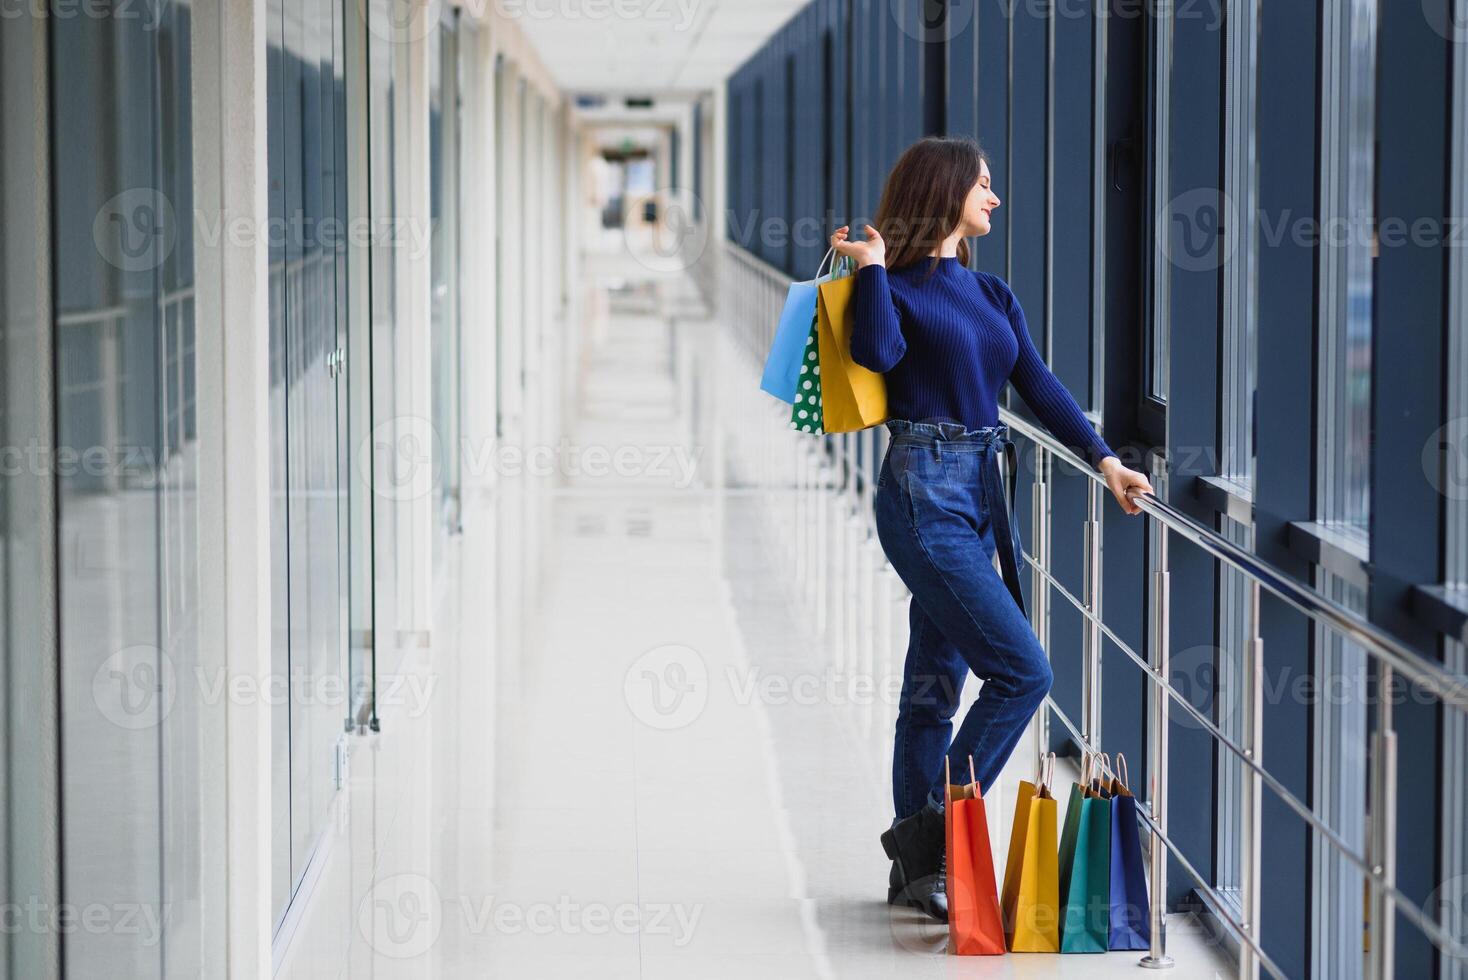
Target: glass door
{"points": [[309, 516]]}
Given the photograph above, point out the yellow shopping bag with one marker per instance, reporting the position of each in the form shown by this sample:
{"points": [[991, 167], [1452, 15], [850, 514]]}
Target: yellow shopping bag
{"points": [[1031, 899], [852, 397]]}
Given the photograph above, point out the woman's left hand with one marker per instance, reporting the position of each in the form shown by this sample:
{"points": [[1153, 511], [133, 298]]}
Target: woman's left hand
{"points": [[1123, 482]]}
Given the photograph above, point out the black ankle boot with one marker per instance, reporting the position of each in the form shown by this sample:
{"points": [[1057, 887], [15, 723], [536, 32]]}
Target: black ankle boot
{"points": [[915, 845]]}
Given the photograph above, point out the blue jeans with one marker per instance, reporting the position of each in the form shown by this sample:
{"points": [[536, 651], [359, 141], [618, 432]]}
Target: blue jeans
{"points": [[940, 509]]}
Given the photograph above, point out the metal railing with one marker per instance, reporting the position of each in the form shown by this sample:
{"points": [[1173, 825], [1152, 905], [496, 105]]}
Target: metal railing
{"points": [[818, 492]]}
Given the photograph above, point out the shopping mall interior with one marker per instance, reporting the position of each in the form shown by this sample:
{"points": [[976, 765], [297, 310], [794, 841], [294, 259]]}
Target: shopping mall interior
{"points": [[405, 570]]}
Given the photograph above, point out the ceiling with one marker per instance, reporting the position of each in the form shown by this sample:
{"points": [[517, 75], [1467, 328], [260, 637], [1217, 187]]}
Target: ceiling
{"points": [[648, 46]]}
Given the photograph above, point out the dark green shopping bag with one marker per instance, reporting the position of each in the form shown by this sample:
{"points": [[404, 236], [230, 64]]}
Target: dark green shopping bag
{"points": [[805, 412], [1085, 866]]}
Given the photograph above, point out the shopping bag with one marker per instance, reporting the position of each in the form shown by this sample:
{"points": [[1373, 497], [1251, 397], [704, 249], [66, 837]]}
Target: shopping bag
{"points": [[853, 398], [805, 412], [1085, 867], [1072, 826], [787, 354], [1130, 910], [974, 924], [1031, 899]]}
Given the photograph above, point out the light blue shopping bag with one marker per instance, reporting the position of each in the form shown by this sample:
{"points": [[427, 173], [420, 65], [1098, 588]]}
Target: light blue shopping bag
{"points": [[787, 353]]}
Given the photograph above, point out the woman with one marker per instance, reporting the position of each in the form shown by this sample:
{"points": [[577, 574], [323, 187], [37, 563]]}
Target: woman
{"points": [[947, 338]]}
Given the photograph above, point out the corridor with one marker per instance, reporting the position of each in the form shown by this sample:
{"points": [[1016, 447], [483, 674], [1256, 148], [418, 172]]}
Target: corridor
{"points": [[414, 562], [649, 764]]}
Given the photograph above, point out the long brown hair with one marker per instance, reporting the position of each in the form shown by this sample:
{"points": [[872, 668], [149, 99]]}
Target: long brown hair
{"points": [[922, 201]]}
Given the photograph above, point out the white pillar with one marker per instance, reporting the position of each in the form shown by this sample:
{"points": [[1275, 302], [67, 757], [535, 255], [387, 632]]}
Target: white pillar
{"points": [[480, 286], [413, 401], [231, 179]]}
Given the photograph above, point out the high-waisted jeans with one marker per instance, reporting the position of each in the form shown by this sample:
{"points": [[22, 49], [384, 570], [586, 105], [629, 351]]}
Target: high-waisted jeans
{"points": [[941, 509]]}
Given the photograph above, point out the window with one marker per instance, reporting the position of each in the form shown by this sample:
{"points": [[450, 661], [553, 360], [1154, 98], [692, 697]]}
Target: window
{"points": [[1241, 288], [1454, 910], [1343, 381], [1346, 201], [1159, 103], [1237, 369], [128, 562]]}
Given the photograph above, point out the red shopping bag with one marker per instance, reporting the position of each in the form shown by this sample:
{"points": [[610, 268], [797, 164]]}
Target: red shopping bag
{"points": [[974, 924]]}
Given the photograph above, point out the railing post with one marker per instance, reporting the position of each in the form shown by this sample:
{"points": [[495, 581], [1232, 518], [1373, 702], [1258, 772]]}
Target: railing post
{"points": [[1251, 847], [1157, 957], [1091, 672], [1382, 844], [1039, 588]]}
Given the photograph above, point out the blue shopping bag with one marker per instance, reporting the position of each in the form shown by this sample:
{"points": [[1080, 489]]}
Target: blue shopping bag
{"points": [[1130, 914], [787, 353]]}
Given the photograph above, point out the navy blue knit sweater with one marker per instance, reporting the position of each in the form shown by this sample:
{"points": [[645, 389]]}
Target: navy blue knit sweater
{"points": [[948, 341]]}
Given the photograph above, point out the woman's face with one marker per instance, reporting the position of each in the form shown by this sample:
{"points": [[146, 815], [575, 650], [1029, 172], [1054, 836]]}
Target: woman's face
{"points": [[979, 205]]}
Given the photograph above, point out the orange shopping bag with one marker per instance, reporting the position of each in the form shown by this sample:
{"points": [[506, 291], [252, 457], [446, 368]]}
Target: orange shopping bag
{"points": [[974, 924]]}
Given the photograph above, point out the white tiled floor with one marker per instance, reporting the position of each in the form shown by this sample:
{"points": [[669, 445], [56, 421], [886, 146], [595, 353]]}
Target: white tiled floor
{"points": [[594, 771]]}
